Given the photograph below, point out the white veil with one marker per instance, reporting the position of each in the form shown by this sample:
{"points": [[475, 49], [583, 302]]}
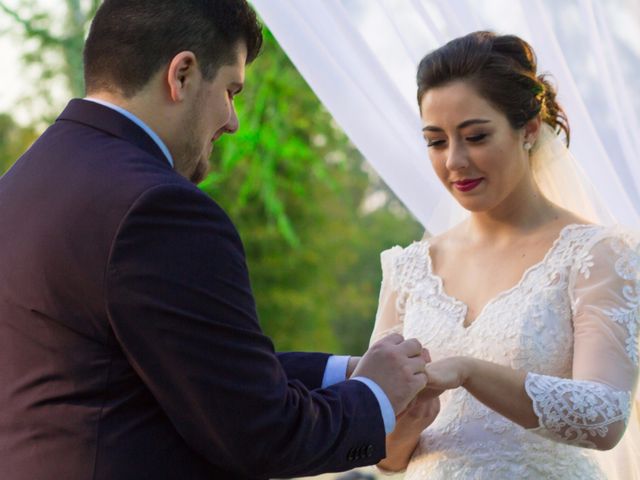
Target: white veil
{"points": [[562, 181]]}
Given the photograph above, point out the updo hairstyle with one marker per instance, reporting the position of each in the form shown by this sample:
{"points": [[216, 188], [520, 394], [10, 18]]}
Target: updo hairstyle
{"points": [[502, 69]]}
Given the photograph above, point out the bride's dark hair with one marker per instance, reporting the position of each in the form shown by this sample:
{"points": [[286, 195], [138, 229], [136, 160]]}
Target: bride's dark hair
{"points": [[502, 68]]}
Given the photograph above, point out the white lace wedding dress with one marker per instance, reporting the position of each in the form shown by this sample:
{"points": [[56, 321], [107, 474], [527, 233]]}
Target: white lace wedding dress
{"points": [[571, 322]]}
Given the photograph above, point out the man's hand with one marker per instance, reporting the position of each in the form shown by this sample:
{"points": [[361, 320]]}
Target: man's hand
{"points": [[397, 366], [420, 413]]}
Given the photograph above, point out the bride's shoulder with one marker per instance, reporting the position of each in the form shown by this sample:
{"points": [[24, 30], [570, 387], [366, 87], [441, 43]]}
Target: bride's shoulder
{"points": [[591, 235], [585, 234], [607, 246], [444, 242], [410, 256], [427, 244], [404, 254]]}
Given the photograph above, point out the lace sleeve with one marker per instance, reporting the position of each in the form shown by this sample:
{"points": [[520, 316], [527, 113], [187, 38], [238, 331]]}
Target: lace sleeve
{"points": [[388, 318], [592, 409]]}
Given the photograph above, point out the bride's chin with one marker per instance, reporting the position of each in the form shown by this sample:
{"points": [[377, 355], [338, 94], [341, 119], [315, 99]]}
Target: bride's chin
{"points": [[473, 207]]}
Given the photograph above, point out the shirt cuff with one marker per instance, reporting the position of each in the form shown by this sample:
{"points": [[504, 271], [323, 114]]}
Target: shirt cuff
{"points": [[336, 370], [386, 409]]}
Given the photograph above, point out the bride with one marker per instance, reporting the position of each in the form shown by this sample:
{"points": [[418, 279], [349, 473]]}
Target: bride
{"points": [[530, 312]]}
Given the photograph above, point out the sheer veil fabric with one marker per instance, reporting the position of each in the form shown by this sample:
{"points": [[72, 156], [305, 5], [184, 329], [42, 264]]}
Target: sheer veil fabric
{"points": [[563, 181]]}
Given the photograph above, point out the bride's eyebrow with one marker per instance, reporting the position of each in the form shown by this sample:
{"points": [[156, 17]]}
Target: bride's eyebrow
{"points": [[466, 123]]}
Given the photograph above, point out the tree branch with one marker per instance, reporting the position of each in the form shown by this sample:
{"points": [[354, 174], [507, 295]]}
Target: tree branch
{"points": [[29, 27], [76, 16]]}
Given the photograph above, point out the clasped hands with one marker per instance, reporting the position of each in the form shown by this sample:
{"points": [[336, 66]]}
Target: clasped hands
{"points": [[413, 384], [404, 371]]}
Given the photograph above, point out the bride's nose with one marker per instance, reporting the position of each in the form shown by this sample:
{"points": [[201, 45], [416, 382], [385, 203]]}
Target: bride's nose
{"points": [[457, 156]]}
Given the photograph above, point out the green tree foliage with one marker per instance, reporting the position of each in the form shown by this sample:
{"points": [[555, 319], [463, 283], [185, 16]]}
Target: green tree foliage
{"points": [[53, 44], [14, 139], [290, 172]]}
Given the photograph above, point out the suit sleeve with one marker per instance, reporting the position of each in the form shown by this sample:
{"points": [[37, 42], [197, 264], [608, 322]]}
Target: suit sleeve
{"points": [[308, 368], [180, 304]]}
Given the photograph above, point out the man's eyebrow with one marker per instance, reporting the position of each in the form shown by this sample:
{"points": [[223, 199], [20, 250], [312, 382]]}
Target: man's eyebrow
{"points": [[466, 123]]}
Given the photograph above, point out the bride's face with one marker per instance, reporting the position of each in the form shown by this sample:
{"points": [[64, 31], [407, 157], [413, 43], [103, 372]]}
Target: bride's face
{"points": [[474, 150]]}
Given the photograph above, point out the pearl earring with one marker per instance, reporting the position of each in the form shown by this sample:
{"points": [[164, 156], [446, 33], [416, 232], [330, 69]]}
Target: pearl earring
{"points": [[527, 146]]}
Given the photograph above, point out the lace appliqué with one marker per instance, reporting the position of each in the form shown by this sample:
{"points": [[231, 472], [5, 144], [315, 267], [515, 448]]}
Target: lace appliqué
{"points": [[584, 263], [575, 411], [627, 267], [409, 269]]}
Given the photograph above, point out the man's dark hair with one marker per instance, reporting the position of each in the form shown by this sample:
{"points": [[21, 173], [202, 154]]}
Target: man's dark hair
{"points": [[130, 40]]}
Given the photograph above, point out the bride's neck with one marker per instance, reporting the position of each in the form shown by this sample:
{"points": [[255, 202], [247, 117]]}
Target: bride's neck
{"points": [[517, 215]]}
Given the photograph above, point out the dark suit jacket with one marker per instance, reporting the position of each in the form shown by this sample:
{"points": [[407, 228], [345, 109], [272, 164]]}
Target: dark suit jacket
{"points": [[129, 342]]}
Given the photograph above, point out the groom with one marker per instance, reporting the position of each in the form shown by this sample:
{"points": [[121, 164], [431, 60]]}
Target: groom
{"points": [[129, 342]]}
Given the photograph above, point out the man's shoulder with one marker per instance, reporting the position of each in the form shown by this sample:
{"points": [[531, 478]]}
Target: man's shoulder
{"points": [[99, 175], [117, 168]]}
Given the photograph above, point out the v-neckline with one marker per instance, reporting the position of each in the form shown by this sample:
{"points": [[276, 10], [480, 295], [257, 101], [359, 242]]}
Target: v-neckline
{"points": [[503, 293]]}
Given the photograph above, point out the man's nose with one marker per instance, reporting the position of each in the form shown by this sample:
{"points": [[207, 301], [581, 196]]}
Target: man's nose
{"points": [[233, 123]]}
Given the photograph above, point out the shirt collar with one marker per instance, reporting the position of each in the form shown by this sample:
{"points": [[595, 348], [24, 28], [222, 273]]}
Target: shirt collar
{"points": [[154, 136]]}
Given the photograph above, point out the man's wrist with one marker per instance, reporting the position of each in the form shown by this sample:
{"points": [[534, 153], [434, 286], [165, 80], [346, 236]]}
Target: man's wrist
{"points": [[335, 370], [352, 364], [386, 408]]}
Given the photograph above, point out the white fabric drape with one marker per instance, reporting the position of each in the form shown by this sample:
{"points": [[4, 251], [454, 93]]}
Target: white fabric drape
{"points": [[360, 57]]}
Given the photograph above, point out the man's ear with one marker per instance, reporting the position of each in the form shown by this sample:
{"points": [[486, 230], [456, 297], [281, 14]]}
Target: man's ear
{"points": [[183, 73]]}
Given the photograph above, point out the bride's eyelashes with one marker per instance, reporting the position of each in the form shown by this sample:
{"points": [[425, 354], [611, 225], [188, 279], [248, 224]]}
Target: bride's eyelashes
{"points": [[477, 138], [434, 143]]}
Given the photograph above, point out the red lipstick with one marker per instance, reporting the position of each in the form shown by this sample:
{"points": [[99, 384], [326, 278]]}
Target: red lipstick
{"points": [[467, 185]]}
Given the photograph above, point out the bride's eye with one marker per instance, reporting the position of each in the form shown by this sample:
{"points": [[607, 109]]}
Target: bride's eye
{"points": [[435, 143], [476, 138]]}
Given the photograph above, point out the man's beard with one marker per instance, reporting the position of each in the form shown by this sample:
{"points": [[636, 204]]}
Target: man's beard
{"points": [[200, 172], [193, 165]]}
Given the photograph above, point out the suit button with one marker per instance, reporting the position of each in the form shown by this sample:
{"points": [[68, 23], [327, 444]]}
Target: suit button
{"points": [[350, 455], [369, 451]]}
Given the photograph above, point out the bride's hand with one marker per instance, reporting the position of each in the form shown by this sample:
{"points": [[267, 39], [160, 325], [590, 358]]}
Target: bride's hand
{"points": [[447, 374]]}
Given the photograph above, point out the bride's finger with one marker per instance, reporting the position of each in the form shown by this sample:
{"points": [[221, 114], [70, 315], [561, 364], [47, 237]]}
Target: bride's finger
{"points": [[436, 378], [425, 355]]}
